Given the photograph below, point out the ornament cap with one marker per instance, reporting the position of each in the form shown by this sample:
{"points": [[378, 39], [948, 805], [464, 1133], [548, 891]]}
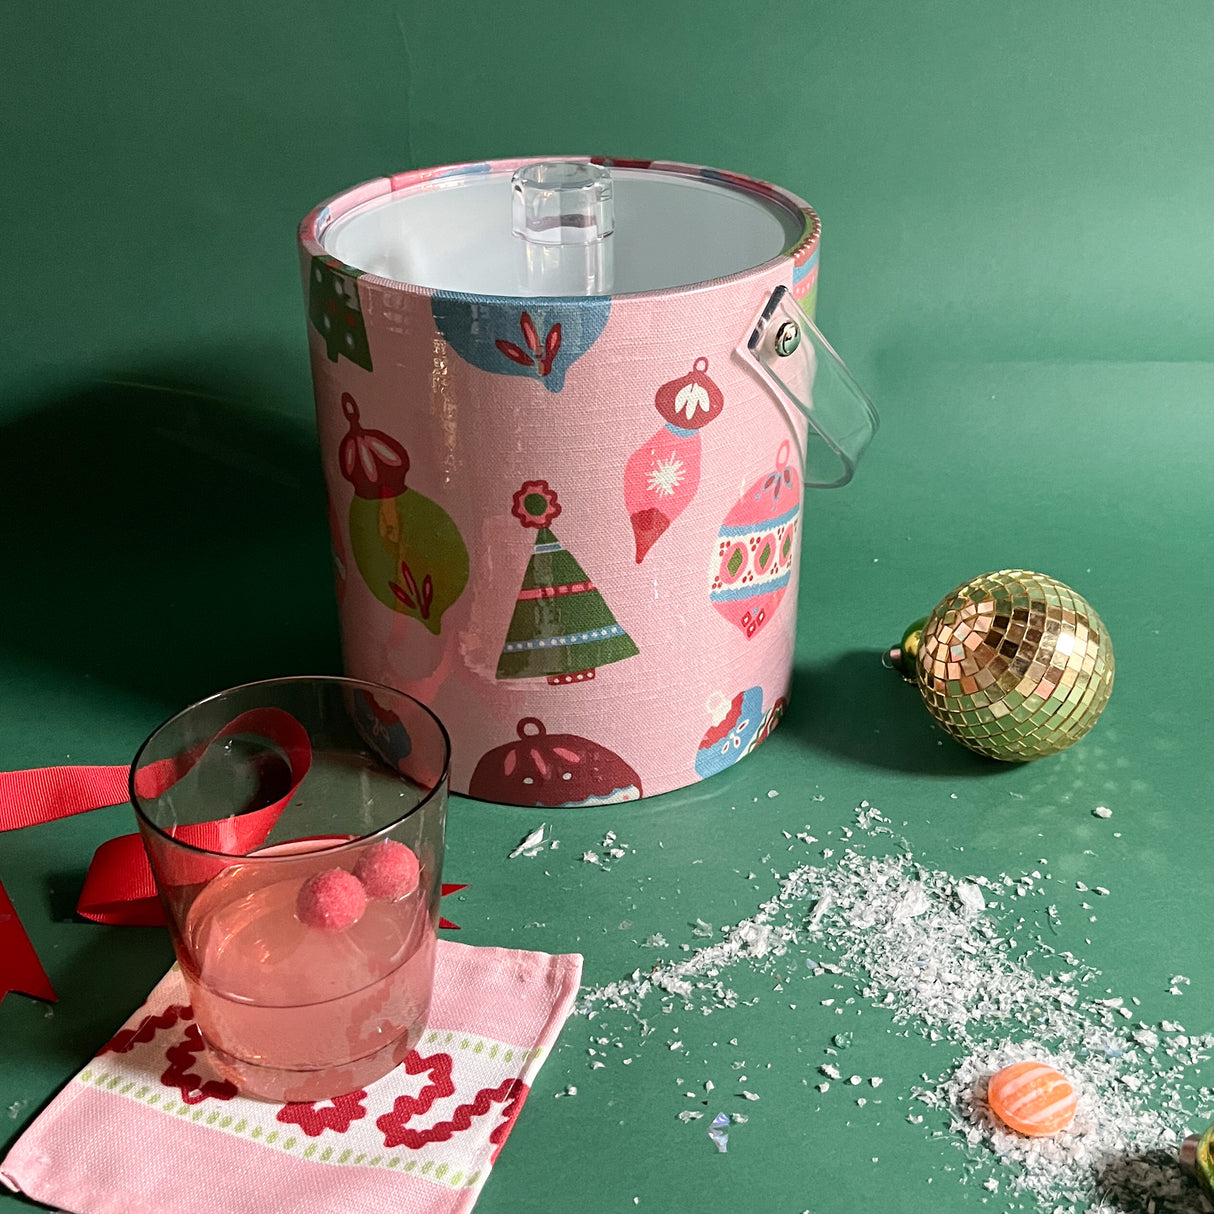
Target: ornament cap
{"points": [[902, 656]]}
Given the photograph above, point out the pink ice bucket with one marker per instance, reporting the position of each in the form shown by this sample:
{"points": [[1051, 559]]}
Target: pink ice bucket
{"points": [[567, 413]]}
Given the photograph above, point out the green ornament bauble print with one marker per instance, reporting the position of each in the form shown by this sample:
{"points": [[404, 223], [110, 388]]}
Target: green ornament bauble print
{"points": [[562, 628], [407, 548], [336, 312]]}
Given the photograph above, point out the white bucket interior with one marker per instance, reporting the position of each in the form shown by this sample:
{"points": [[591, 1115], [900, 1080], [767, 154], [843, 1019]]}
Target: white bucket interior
{"points": [[454, 233]]}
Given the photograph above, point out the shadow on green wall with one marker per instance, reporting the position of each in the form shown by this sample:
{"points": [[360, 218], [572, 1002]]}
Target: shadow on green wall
{"points": [[166, 533]]}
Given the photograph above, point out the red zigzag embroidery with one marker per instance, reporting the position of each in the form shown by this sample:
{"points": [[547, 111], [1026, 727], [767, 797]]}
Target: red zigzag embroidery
{"points": [[125, 1040], [394, 1125]]}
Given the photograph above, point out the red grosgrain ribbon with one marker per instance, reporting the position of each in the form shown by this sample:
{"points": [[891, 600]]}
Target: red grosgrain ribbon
{"points": [[119, 888]]}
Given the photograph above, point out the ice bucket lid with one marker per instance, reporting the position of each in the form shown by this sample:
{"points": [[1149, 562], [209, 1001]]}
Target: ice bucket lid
{"points": [[451, 229]]}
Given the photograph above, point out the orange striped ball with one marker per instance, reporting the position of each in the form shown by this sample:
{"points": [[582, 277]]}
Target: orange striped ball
{"points": [[1032, 1098]]}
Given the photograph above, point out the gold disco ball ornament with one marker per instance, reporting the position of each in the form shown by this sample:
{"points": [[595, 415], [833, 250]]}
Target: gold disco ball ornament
{"points": [[1014, 665]]}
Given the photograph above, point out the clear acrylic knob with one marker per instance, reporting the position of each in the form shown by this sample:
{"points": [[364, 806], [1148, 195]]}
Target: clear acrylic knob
{"points": [[563, 214]]}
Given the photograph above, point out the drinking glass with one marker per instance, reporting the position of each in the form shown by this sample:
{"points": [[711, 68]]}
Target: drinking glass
{"points": [[295, 829]]}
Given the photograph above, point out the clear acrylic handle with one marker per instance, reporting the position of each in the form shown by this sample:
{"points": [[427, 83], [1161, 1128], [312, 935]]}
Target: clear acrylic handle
{"points": [[799, 365]]}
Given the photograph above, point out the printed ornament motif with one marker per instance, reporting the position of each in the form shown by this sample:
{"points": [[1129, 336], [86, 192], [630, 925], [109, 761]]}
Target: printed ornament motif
{"points": [[551, 770], [738, 726], [1015, 665], [407, 548], [540, 342], [663, 474], [756, 548], [561, 629], [735, 723], [335, 311], [381, 728]]}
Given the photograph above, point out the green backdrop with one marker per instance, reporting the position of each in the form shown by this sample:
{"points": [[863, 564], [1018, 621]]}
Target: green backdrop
{"points": [[1017, 263]]}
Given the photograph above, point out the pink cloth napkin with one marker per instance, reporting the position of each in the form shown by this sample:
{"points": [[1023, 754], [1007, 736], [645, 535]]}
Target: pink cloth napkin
{"points": [[148, 1128]]}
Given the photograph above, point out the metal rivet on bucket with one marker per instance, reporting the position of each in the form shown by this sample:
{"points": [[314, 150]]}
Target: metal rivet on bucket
{"points": [[788, 338]]}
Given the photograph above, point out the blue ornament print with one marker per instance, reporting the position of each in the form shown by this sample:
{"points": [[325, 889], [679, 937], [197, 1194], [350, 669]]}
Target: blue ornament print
{"points": [[538, 338], [732, 734]]}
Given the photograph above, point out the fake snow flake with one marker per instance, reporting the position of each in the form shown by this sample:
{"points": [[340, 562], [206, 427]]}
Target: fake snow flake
{"points": [[590, 857], [719, 1132], [904, 936], [569, 1091], [531, 845], [690, 1115], [971, 897], [1102, 811], [914, 902]]}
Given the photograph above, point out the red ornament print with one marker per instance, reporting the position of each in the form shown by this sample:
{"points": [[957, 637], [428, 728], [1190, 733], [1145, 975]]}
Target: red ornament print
{"points": [[663, 473], [372, 461]]}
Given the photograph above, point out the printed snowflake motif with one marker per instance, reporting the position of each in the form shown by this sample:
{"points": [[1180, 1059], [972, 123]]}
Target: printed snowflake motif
{"points": [[666, 476]]}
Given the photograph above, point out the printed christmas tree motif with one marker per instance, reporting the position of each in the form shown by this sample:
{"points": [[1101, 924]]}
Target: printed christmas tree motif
{"points": [[407, 548], [734, 725], [756, 549], [315, 1117], [663, 473], [559, 769], [562, 629], [180, 1073], [540, 341], [336, 312]]}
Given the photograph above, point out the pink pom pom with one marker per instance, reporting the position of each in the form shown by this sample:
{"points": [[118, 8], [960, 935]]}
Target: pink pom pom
{"points": [[332, 901], [388, 870]]}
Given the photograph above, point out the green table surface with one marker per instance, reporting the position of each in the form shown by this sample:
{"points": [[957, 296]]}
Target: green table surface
{"points": [[1017, 264]]}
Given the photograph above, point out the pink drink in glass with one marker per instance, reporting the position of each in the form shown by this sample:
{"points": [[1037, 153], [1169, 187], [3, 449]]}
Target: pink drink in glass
{"points": [[297, 1013]]}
